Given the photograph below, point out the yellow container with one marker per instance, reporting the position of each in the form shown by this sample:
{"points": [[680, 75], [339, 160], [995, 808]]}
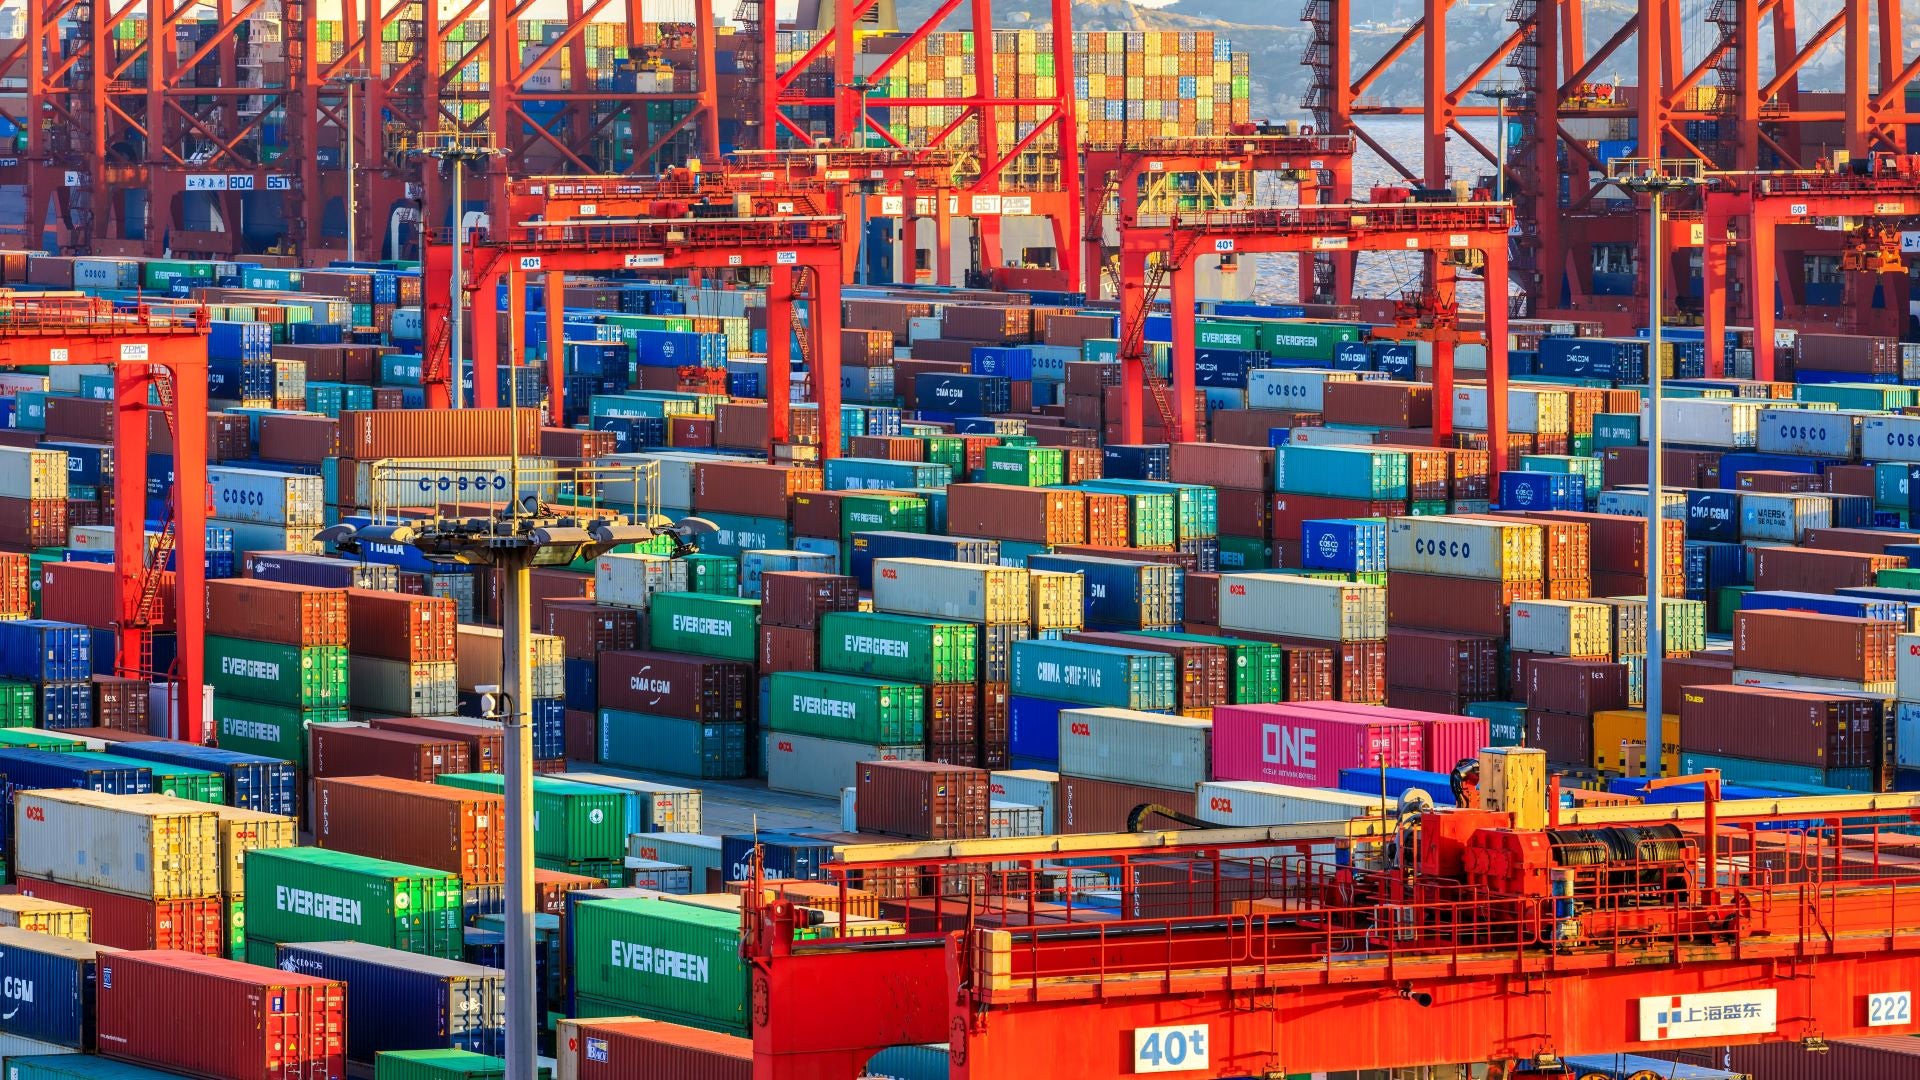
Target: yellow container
{"points": [[68, 921], [139, 845], [242, 831], [1615, 729], [1059, 600]]}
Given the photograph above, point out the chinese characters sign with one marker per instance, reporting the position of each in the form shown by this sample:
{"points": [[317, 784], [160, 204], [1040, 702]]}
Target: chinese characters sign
{"points": [[1700, 1016]]}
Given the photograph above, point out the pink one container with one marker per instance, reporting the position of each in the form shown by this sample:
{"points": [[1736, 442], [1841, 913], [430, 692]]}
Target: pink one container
{"points": [[1295, 743]]}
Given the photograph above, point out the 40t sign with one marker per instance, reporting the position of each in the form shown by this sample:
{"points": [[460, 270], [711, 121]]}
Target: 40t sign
{"points": [[1170, 1049]]}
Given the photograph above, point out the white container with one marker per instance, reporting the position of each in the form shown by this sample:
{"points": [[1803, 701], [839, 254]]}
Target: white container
{"points": [[1035, 786], [945, 590], [1303, 607], [1130, 747], [266, 497], [90, 537], [1255, 803], [1006, 819], [1300, 389], [159, 849], [32, 474], [1890, 438], [254, 536], [65, 378], [1906, 656], [630, 579], [1724, 423], [1326, 436], [1632, 502], [399, 688], [805, 765], [692, 850], [1562, 628], [1810, 433], [13, 1046], [1782, 517], [1530, 409], [101, 273], [1466, 547], [671, 808], [391, 483], [1808, 684]]}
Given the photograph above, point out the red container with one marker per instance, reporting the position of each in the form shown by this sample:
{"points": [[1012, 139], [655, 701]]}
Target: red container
{"points": [[369, 435], [1309, 672], [134, 922], [1202, 598], [486, 746], [1307, 745], [1291, 511], [575, 443], [308, 440], [1567, 738], [668, 684], [33, 523], [550, 888], [120, 704], [1379, 404], [1244, 512], [1820, 646], [340, 750], [1004, 512], [1221, 465], [798, 598], [1583, 687], [750, 487], [85, 593], [1457, 605], [922, 800], [417, 629], [1877, 1057], [1848, 480], [788, 648], [1826, 731], [404, 821], [1625, 465], [816, 513], [589, 629], [1099, 806], [1868, 541], [1795, 569], [1702, 669], [1772, 482], [953, 719], [213, 1017], [635, 1049], [1451, 664], [298, 615]]}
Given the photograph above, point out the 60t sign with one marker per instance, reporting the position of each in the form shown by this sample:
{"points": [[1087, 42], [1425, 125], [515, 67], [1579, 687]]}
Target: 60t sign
{"points": [[1170, 1049]]}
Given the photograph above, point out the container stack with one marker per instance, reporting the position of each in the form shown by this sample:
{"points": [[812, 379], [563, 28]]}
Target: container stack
{"points": [[1349, 618], [1050, 677], [482, 659], [1757, 735], [1115, 759], [302, 894], [939, 660], [277, 662], [405, 658], [687, 715], [823, 725], [56, 659], [157, 1008], [578, 828]]}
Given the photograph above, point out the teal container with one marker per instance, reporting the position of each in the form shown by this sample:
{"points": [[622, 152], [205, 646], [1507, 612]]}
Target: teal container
{"points": [[1871, 397], [1752, 771], [1890, 485], [1587, 468], [875, 474], [1341, 472], [716, 574], [1095, 675], [1615, 429], [1506, 720], [739, 534], [722, 627], [699, 749], [1238, 553]]}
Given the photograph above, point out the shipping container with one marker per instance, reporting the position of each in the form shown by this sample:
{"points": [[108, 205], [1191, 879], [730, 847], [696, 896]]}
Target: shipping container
{"points": [[404, 1001], [582, 822], [847, 707], [158, 849], [701, 749], [253, 782], [636, 1048], [886, 646], [405, 821], [1296, 744], [659, 959], [719, 627], [1135, 747], [1303, 607], [197, 925], [1093, 675], [160, 1008], [922, 800], [660, 807], [1466, 547], [353, 750], [934, 589]]}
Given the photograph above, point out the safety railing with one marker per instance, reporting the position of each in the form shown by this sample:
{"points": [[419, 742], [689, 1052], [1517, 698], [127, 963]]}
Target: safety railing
{"points": [[666, 234], [1338, 218], [1232, 145], [23, 314], [464, 489]]}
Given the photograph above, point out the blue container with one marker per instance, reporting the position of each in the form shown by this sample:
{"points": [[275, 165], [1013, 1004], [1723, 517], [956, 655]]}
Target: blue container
{"points": [[239, 340], [1751, 771], [28, 769], [1851, 607], [969, 394], [270, 785], [1615, 359], [1340, 472], [1542, 491], [787, 855], [1227, 367], [87, 463], [47, 985], [1625, 1066], [1353, 545], [40, 650], [1852, 511], [323, 572], [1095, 675], [1735, 463], [1352, 356], [1033, 730], [549, 716], [1005, 361], [1713, 514], [868, 546], [1395, 359], [1712, 566], [756, 563], [1145, 461], [404, 1001], [67, 704], [1122, 595], [583, 684], [631, 433], [1367, 782]]}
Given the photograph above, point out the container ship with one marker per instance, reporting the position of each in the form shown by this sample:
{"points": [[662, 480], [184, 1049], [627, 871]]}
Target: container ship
{"points": [[810, 545]]}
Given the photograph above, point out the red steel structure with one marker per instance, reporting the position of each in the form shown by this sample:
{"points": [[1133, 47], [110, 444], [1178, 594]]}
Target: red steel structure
{"points": [[151, 354], [1613, 929], [877, 182], [1160, 250]]}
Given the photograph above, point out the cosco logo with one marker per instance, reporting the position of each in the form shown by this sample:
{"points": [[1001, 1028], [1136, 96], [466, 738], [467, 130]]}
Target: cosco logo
{"points": [[1284, 390], [1903, 438], [1223, 805], [462, 483], [242, 497], [1444, 549], [1329, 545], [1081, 729]]}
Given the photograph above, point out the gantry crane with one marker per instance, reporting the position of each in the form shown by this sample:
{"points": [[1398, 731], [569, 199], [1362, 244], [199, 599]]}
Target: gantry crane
{"points": [[1159, 251], [1401, 939], [911, 184], [152, 355]]}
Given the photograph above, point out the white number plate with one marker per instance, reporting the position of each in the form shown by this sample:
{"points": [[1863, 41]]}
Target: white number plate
{"points": [[1170, 1049], [1890, 1010]]}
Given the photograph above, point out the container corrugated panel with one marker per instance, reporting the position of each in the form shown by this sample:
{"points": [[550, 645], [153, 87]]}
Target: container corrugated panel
{"points": [[1135, 748], [1300, 744], [1562, 628], [661, 959], [216, 1018], [1303, 607], [580, 822], [847, 707], [49, 917], [243, 830], [162, 849], [131, 922], [280, 674], [1466, 547], [432, 825], [49, 987], [1094, 675], [663, 807], [720, 627], [927, 587], [254, 782], [701, 749], [403, 1001], [908, 647], [312, 894], [635, 1048]]}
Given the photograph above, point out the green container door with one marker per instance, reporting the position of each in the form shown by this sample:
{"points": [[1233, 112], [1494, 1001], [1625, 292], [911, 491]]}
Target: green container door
{"points": [[1155, 520], [721, 627], [882, 513], [718, 575], [847, 707], [17, 704], [278, 674], [660, 959], [317, 894], [899, 647], [574, 822]]}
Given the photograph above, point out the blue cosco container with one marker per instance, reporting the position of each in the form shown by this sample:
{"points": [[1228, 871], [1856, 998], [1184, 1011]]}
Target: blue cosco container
{"points": [[1367, 782], [267, 784], [1008, 362], [1096, 675], [788, 855], [46, 988], [1542, 491], [404, 1001], [1354, 545], [1033, 731], [1122, 595], [1713, 514], [1852, 607], [935, 392], [868, 546], [40, 650]]}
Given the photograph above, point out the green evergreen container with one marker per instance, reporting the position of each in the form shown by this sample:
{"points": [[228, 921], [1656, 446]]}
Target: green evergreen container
{"points": [[879, 512], [1024, 466], [36, 739], [276, 731], [899, 647], [847, 707], [1226, 334], [318, 894], [948, 450], [1902, 578], [17, 704], [179, 781], [721, 627], [440, 1065], [1245, 553], [717, 575], [571, 821], [1304, 340], [660, 959], [279, 674]]}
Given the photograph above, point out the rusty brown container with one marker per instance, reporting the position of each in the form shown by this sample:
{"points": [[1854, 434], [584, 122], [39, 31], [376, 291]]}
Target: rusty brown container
{"points": [[576, 443], [1204, 671], [1004, 512], [888, 447], [486, 746], [347, 750], [798, 598], [1819, 646], [953, 720], [1051, 435], [1793, 569], [1567, 738], [816, 514], [1082, 462], [1457, 665], [1821, 730], [1291, 512], [33, 523], [85, 593], [1109, 519], [742, 425], [405, 821], [1222, 465], [994, 728], [866, 348], [788, 648], [1778, 483], [922, 800], [1249, 427], [1626, 465], [1202, 598], [1379, 404], [692, 432], [1244, 512], [587, 628], [1701, 669], [416, 629], [1082, 805], [1866, 541], [368, 436], [120, 704], [671, 684], [1009, 324], [298, 615], [550, 889], [80, 418], [1849, 480], [1582, 687], [1876, 1057], [1309, 672], [307, 440], [1433, 701], [1459, 605], [749, 487]]}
